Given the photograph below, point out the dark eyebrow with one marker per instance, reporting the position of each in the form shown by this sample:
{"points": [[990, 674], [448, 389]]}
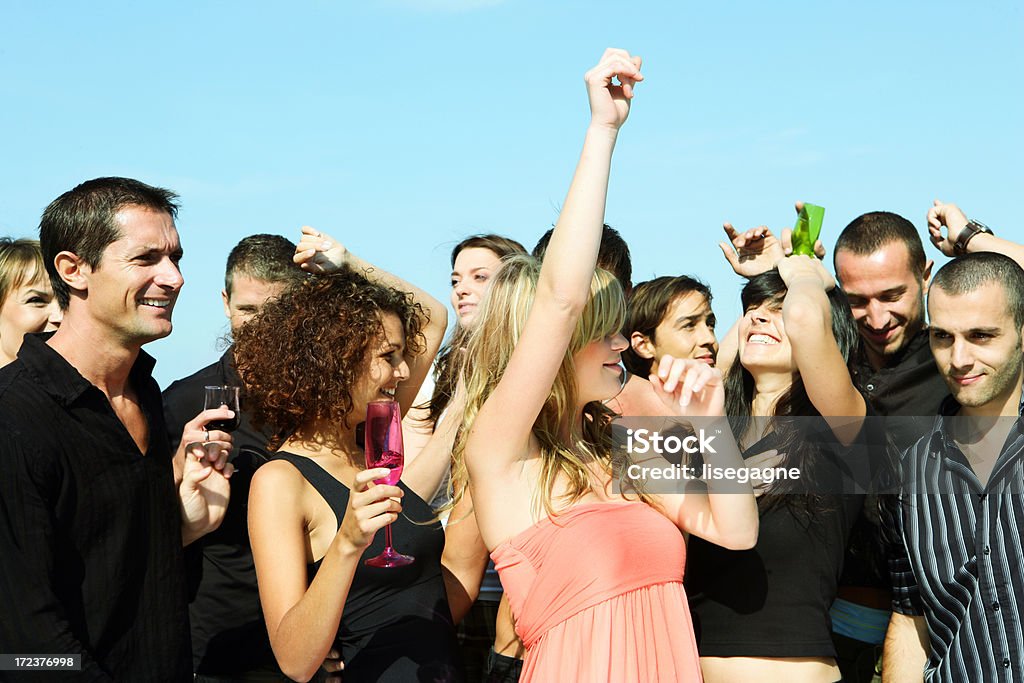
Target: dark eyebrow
{"points": [[690, 318], [39, 292], [895, 290]]}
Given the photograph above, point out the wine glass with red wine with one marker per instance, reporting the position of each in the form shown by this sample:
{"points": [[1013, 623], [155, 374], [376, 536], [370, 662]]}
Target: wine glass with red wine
{"points": [[383, 442], [222, 397]]}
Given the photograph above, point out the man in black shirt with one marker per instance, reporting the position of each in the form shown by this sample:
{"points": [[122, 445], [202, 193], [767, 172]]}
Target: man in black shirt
{"points": [[92, 513], [229, 637]]}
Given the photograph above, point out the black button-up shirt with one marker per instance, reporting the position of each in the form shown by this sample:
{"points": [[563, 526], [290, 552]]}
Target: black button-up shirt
{"points": [[90, 527], [956, 555], [908, 385], [229, 635]]}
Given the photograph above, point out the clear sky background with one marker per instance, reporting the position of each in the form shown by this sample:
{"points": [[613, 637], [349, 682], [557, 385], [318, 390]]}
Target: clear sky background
{"points": [[401, 126]]}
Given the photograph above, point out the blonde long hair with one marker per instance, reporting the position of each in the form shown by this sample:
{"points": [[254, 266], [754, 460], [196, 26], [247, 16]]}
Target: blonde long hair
{"points": [[500, 323]]}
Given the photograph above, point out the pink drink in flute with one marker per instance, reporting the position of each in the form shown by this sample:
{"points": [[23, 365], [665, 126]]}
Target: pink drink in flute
{"points": [[383, 445]]}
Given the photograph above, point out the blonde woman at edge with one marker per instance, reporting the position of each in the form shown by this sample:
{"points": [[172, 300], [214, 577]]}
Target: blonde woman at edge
{"points": [[594, 579]]}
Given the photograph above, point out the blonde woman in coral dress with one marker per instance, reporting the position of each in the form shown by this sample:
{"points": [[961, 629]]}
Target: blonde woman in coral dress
{"points": [[594, 579]]}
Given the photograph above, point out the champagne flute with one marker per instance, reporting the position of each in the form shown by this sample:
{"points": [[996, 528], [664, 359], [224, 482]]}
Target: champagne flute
{"points": [[383, 443], [222, 397]]}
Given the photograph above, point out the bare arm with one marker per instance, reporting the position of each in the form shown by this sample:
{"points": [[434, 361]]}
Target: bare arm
{"points": [[950, 216], [906, 649], [318, 252], [726, 514], [807, 315], [302, 620], [500, 435], [425, 474], [465, 558]]}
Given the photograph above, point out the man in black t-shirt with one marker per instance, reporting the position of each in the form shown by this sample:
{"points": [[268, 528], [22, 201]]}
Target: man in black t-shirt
{"points": [[229, 637]]}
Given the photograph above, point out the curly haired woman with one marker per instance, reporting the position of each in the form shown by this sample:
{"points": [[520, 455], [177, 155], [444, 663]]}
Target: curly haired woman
{"points": [[311, 362]]}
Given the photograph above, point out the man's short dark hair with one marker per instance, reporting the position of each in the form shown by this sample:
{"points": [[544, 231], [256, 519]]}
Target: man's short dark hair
{"points": [[81, 221], [613, 255], [967, 273], [870, 232], [263, 257], [647, 306]]}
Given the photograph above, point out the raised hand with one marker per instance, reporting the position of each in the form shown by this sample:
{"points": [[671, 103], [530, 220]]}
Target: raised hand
{"points": [[752, 252], [371, 507], [609, 103], [787, 238], [204, 491], [799, 267], [947, 216], [318, 252], [689, 387]]}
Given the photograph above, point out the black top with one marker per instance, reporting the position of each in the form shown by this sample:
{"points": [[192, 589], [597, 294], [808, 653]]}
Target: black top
{"points": [[396, 624], [910, 389], [229, 635], [773, 600], [90, 528], [956, 555], [908, 385]]}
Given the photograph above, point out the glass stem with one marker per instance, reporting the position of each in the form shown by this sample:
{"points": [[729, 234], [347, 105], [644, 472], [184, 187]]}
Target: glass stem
{"points": [[387, 539]]}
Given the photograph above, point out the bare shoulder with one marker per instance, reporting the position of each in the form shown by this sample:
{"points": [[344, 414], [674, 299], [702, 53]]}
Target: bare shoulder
{"points": [[277, 480]]}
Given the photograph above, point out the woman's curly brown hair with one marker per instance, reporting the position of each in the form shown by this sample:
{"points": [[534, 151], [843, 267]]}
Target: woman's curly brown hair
{"points": [[300, 357]]}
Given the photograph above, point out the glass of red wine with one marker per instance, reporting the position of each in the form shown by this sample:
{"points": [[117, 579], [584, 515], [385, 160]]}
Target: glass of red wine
{"points": [[222, 397], [383, 442]]}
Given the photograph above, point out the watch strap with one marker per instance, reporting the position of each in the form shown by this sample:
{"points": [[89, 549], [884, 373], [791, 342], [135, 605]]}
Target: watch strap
{"points": [[967, 234]]}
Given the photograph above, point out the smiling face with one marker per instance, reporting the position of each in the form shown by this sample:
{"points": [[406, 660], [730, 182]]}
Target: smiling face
{"points": [[686, 331], [247, 297], [29, 308], [886, 297], [598, 370], [977, 347], [131, 293], [763, 343], [385, 368], [471, 275]]}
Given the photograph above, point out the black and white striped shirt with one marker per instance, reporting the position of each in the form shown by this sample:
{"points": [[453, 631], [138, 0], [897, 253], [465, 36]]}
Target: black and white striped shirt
{"points": [[957, 555]]}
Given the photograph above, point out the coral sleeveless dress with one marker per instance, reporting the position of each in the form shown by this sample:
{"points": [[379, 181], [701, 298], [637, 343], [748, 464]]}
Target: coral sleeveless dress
{"points": [[597, 595]]}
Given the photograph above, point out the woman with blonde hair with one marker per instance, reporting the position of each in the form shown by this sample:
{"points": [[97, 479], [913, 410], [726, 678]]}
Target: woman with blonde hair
{"points": [[594, 578], [27, 304]]}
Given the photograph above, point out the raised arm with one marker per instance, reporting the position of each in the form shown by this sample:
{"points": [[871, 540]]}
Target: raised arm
{"points": [[949, 216], [807, 315], [302, 621], [500, 434], [318, 252], [725, 514]]}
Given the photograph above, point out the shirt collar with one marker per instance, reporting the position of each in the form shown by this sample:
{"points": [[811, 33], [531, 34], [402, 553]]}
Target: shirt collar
{"points": [[941, 442], [57, 377]]}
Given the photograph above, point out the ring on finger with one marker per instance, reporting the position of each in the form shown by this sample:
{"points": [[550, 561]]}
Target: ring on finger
{"points": [[207, 433]]}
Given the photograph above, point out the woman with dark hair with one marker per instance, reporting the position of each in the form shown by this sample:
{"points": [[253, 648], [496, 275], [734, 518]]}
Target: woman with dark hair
{"points": [[27, 304], [312, 361], [762, 614]]}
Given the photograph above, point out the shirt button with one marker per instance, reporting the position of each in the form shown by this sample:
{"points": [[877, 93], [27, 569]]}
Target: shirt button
{"points": [[870, 387], [988, 551], [995, 606], [1006, 663]]}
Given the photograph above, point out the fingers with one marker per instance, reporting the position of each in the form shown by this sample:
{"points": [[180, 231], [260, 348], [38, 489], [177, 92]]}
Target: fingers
{"points": [[364, 478], [730, 254], [616, 63], [787, 241], [210, 454], [819, 249]]}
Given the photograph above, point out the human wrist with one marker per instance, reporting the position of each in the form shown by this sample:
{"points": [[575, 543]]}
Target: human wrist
{"points": [[969, 235]]}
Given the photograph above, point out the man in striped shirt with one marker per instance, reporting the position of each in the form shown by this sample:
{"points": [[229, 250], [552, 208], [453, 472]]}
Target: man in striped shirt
{"points": [[957, 558]]}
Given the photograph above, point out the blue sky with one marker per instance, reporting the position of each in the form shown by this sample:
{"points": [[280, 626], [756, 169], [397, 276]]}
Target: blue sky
{"points": [[401, 126]]}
